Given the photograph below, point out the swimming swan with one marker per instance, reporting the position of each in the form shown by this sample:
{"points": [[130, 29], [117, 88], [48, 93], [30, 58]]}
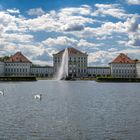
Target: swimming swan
{"points": [[38, 96], [2, 92]]}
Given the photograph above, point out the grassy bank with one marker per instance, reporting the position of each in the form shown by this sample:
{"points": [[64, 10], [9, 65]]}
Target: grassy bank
{"points": [[44, 78], [111, 79], [18, 78]]}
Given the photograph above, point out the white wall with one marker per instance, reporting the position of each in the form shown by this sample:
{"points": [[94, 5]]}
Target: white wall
{"points": [[123, 70], [18, 69], [138, 69], [98, 71], [2, 65], [42, 71]]}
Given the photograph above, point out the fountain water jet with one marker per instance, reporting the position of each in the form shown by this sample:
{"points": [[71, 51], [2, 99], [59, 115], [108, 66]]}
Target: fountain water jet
{"points": [[63, 69]]}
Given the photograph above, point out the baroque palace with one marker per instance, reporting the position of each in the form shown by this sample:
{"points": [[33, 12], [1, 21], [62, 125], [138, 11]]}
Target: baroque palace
{"points": [[121, 67]]}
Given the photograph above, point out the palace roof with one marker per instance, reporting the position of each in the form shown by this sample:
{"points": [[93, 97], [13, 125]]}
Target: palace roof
{"points": [[72, 51], [123, 58], [18, 57]]}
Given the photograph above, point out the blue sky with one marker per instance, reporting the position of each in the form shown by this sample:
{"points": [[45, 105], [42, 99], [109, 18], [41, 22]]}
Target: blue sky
{"points": [[39, 28]]}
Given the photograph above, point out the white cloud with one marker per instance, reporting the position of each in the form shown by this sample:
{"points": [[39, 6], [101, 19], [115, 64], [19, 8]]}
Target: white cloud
{"points": [[133, 23], [113, 10], [133, 2], [112, 49], [10, 47], [12, 23], [99, 58], [105, 57], [32, 49], [60, 41], [35, 12], [130, 51], [58, 22], [134, 40], [73, 27], [26, 48], [17, 37], [84, 43], [133, 30], [42, 63], [129, 28], [106, 29], [83, 10], [13, 11], [64, 41]]}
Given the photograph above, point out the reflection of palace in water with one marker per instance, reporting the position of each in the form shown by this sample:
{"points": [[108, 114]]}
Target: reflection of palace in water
{"points": [[122, 66]]}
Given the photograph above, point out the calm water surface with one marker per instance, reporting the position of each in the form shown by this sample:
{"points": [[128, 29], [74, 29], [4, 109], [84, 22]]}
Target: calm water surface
{"points": [[70, 110]]}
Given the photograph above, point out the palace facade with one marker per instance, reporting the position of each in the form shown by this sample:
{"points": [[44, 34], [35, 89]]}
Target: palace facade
{"points": [[121, 67], [42, 71], [138, 69], [2, 68], [19, 65], [99, 71], [77, 62]]}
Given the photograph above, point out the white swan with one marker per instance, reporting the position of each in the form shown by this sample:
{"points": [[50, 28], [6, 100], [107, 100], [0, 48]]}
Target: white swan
{"points": [[2, 92], [38, 96]]}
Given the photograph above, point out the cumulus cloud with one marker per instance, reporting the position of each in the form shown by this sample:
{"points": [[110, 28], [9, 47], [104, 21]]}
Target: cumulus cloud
{"points": [[133, 30], [12, 23], [105, 57], [129, 28], [133, 2], [69, 42], [99, 57], [101, 33], [112, 49], [85, 43], [134, 40], [29, 49], [58, 22], [113, 10], [73, 27], [62, 41], [13, 11], [17, 37], [83, 10], [36, 12], [133, 23], [69, 27]]}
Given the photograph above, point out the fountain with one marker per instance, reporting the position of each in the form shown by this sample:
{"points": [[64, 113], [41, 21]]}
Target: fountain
{"points": [[63, 69]]}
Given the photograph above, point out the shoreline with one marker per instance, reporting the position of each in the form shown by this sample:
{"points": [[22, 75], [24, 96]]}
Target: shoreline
{"points": [[98, 79], [118, 80], [17, 78]]}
